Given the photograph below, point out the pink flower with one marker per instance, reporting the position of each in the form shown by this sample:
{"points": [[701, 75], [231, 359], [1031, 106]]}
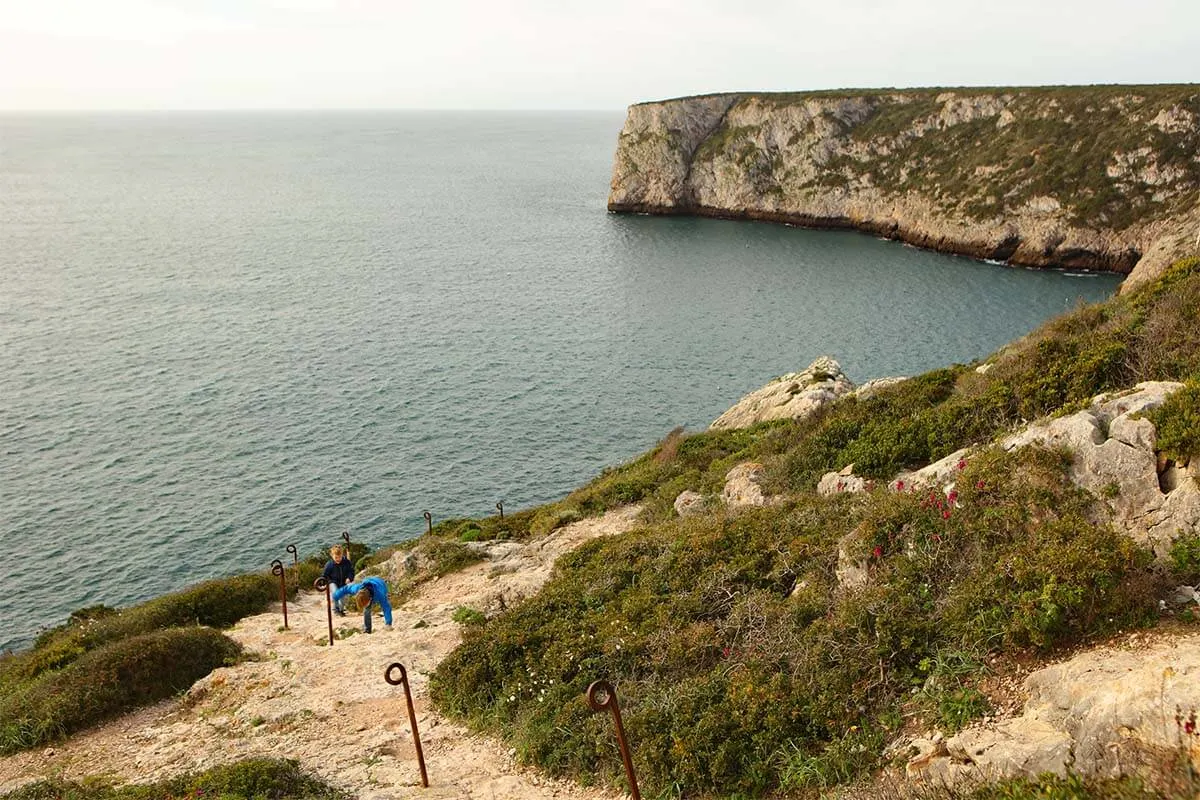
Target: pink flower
{"points": [[953, 496], [877, 552], [899, 486], [946, 514], [979, 485], [962, 463]]}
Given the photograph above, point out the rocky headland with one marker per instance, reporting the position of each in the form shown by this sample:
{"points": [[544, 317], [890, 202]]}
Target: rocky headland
{"points": [[1094, 178]]}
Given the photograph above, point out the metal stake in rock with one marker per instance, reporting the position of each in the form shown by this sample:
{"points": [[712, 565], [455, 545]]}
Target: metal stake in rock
{"points": [[601, 695], [291, 548], [500, 508], [428, 522], [412, 714], [277, 569], [323, 586]]}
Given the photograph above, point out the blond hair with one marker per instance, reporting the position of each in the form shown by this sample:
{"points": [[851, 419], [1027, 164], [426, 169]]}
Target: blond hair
{"points": [[335, 551]]}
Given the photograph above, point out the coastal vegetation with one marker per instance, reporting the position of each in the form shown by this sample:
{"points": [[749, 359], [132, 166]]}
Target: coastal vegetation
{"points": [[744, 666], [104, 662], [252, 779]]}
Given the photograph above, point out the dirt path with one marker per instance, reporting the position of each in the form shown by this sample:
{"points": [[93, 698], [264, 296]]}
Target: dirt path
{"points": [[329, 707]]}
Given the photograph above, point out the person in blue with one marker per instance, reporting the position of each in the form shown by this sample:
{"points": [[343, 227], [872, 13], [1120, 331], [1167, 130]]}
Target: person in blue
{"points": [[339, 572], [367, 593]]}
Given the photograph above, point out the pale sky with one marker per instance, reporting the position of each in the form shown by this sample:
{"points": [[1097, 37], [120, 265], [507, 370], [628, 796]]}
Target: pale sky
{"points": [[561, 54]]}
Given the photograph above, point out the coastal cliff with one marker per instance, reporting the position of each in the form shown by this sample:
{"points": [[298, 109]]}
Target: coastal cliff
{"points": [[1096, 178]]}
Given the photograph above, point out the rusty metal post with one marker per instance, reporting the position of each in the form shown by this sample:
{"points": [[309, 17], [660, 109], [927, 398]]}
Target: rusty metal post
{"points": [[500, 508], [277, 569], [346, 538], [291, 548], [609, 700], [428, 522], [412, 713], [323, 585]]}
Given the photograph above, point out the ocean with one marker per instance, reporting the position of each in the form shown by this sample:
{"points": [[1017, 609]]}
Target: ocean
{"points": [[223, 333]]}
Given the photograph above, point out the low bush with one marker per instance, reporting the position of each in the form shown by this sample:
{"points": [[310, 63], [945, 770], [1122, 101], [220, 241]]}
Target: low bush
{"points": [[1177, 422], [252, 779], [217, 603], [449, 556], [1185, 558], [110, 680]]}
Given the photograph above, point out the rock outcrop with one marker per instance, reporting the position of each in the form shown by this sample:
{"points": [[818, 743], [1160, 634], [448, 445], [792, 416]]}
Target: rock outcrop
{"points": [[741, 486], [1095, 714], [1099, 178], [792, 396], [1151, 499]]}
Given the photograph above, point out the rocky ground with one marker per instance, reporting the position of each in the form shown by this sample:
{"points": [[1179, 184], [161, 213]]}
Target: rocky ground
{"points": [[330, 707]]}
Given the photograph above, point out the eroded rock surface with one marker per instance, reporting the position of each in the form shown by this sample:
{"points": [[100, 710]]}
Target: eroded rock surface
{"points": [[1151, 500], [792, 396], [1091, 714], [741, 486]]}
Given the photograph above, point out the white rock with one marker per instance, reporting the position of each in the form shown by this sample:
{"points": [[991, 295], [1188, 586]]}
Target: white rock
{"points": [[689, 503], [741, 486], [792, 396], [1115, 458]]}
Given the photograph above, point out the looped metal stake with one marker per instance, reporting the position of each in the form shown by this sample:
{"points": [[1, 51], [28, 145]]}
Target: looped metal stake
{"points": [[500, 508], [346, 538], [402, 680], [277, 569], [291, 548], [428, 522], [323, 586], [601, 696]]}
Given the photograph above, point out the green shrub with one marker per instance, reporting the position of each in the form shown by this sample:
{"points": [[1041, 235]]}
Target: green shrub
{"points": [[1185, 558], [108, 681], [552, 518], [217, 603], [252, 779], [840, 761], [468, 616], [1177, 422]]}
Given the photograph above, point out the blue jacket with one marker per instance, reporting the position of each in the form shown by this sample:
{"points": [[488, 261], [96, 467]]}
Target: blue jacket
{"points": [[378, 590]]}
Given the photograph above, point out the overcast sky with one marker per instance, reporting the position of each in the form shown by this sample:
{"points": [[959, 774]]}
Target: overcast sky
{"points": [[560, 54]]}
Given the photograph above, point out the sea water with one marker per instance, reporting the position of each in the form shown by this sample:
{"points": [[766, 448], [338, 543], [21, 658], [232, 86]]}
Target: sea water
{"points": [[223, 333]]}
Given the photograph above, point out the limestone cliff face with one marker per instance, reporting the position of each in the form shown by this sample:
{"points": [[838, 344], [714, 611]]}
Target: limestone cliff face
{"points": [[1102, 178]]}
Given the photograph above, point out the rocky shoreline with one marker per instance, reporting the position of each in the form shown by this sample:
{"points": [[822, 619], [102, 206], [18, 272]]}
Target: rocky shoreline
{"points": [[971, 172]]}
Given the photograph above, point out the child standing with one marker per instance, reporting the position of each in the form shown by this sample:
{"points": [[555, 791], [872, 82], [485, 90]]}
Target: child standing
{"points": [[368, 592], [338, 572]]}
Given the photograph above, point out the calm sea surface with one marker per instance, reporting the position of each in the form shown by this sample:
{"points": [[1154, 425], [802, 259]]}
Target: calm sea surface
{"points": [[224, 333]]}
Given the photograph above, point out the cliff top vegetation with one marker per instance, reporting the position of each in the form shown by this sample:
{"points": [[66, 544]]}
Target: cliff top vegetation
{"points": [[743, 668]]}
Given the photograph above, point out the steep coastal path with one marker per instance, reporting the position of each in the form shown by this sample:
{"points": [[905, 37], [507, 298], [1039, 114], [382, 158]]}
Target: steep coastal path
{"points": [[329, 707]]}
